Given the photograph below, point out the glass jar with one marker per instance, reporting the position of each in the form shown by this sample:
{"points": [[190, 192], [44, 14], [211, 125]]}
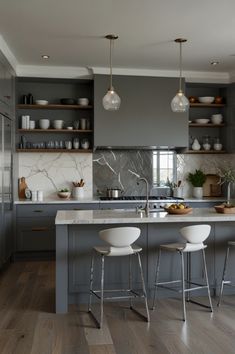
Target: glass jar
{"points": [[217, 144], [206, 142]]}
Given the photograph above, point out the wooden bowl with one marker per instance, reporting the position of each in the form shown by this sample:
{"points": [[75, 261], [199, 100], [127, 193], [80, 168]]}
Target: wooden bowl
{"points": [[178, 211], [222, 209], [192, 99]]}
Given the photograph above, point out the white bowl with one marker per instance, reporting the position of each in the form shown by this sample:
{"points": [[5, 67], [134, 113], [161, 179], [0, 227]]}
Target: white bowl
{"points": [[83, 101], [64, 195], [58, 124], [41, 102], [202, 120], [44, 123], [216, 118], [69, 128], [206, 99]]}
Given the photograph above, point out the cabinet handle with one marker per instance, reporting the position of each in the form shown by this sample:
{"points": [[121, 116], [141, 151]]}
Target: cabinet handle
{"points": [[40, 229], [38, 211]]}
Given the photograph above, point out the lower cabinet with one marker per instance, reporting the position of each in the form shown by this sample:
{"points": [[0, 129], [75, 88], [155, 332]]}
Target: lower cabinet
{"points": [[35, 225]]}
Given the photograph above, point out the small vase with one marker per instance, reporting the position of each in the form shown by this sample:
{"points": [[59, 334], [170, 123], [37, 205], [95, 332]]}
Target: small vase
{"points": [[78, 192], [196, 145], [198, 192], [228, 192]]}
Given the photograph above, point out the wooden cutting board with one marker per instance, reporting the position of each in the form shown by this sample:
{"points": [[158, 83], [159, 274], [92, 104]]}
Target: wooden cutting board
{"points": [[212, 187]]}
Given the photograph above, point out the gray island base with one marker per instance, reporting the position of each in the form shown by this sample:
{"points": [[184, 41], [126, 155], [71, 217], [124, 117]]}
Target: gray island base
{"points": [[77, 234]]}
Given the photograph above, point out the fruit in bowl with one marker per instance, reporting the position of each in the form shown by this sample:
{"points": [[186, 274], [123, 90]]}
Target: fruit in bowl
{"points": [[178, 208], [64, 193]]}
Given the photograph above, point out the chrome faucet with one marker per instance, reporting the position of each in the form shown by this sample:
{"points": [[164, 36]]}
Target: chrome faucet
{"points": [[146, 207]]}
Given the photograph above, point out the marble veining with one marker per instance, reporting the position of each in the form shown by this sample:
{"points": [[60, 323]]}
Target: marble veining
{"points": [[51, 172]]}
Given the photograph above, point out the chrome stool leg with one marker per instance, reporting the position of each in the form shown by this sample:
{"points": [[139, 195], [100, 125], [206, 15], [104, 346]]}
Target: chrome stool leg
{"points": [[183, 285], [156, 278], [207, 281], [130, 278], [144, 289], [102, 292], [223, 276], [188, 274], [91, 280]]}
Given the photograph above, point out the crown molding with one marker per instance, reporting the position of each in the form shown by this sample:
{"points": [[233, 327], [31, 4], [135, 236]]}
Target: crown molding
{"points": [[62, 72], [7, 53], [190, 76]]}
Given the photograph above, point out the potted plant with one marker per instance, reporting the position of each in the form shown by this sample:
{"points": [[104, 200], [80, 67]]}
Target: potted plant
{"points": [[197, 179], [227, 175]]}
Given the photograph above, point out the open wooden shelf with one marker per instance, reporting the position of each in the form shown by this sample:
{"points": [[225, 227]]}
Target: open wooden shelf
{"points": [[55, 150], [208, 125], [207, 105], [54, 131], [205, 152], [53, 106]]}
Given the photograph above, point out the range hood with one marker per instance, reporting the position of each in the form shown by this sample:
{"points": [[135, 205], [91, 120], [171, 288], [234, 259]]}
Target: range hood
{"points": [[144, 120]]}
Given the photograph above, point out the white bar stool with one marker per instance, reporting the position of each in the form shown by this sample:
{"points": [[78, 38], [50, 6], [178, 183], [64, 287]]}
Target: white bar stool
{"points": [[120, 240], [223, 281], [194, 235]]}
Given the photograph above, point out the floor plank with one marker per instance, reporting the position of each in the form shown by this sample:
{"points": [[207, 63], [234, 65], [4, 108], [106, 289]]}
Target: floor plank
{"points": [[29, 325]]}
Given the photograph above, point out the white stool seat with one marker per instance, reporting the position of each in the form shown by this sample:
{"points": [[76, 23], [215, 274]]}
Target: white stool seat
{"points": [[120, 243], [118, 251], [194, 236], [183, 247], [231, 243]]}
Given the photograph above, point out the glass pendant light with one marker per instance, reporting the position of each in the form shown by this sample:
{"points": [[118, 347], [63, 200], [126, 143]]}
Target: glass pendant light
{"points": [[111, 101], [180, 103]]}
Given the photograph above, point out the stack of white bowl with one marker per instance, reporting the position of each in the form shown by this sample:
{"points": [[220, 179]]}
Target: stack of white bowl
{"points": [[58, 124], [216, 118], [44, 123]]}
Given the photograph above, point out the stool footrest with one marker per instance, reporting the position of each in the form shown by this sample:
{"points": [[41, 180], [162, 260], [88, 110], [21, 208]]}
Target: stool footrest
{"points": [[132, 294]]}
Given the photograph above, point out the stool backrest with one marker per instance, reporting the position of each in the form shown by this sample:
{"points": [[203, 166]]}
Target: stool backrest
{"points": [[120, 236], [195, 233]]}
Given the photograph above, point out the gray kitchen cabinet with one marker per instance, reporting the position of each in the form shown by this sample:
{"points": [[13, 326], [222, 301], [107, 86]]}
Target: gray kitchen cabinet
{"points": [[7, 87], [145, 118], [229, 131], [200, 110], [35, 224]]}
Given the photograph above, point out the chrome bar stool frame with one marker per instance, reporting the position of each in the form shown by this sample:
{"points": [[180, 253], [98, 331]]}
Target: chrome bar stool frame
{"points": [[223, 281], [100, 293], [181, 249]]}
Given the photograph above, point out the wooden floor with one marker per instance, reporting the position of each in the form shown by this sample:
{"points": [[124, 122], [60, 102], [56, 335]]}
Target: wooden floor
{"points": [[28, 324]]}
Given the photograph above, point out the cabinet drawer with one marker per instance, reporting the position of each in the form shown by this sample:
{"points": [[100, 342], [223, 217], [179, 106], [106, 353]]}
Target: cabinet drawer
{"points": [[39, 210], [35, 234]]}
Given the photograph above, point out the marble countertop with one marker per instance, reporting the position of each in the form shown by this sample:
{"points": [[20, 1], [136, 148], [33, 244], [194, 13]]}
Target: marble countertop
{"points": [[121, 216], [57, 200]]}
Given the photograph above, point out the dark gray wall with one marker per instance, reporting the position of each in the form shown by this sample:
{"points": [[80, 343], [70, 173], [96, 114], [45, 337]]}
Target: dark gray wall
{"points": [[145, 117]]}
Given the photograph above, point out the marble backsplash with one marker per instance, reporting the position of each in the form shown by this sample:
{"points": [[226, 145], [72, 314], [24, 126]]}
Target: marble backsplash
{"points": [[111, 169], [50, 172], [108, 169]]}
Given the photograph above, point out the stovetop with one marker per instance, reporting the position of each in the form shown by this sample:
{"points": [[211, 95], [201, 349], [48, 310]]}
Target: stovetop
{"points": [[153, 198]]}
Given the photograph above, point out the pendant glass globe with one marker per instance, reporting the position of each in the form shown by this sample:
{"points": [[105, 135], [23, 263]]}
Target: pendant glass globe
{"points": [[180, 103], [111, 101]]}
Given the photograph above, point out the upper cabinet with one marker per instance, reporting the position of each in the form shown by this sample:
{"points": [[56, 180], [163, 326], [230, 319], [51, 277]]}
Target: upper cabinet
{"points": [[145, 118], [7, 88], [210, 134]]}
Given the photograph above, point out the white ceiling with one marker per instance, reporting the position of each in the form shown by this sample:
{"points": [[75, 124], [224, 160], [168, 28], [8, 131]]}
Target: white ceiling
{"points": [[72, 33]]}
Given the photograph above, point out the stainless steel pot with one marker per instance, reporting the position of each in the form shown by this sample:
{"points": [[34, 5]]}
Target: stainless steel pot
{"points": [[114, 192]]}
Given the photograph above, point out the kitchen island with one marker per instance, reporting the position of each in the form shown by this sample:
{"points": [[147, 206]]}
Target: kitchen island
{"points": [[77, 233]]}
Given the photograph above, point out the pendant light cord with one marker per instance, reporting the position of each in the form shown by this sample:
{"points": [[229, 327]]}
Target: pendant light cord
{"points": [[180, 88], [111, 64]]}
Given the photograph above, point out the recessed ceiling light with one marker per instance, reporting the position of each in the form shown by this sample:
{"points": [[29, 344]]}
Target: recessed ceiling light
{"points": [[45, 56], [214, 62]]}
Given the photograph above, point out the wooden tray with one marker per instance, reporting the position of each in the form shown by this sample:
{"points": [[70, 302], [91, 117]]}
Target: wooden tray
{"points": [[178, 211], [222, 210]]}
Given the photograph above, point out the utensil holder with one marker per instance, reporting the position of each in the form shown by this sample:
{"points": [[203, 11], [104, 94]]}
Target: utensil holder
{"points": [[78, 192]]}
